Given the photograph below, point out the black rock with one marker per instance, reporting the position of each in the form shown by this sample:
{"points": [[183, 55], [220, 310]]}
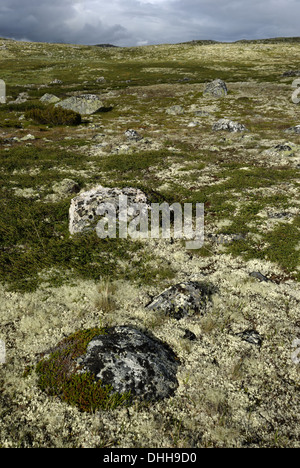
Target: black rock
{"points": [[189, 335]]}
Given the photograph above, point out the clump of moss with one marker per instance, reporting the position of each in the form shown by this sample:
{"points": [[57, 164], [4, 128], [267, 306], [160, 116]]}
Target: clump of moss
{"points": [[58, 377], [54, 116]]}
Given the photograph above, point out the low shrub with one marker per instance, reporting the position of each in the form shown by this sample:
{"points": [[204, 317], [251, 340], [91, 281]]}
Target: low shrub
{"points": [[54, 116]]}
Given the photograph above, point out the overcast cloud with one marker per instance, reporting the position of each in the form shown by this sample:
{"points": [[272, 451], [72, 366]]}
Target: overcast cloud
{"points": [[138, 22]]}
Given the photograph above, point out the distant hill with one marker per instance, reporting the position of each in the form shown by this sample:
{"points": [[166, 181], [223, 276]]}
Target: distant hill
{"points": [[273, 40], [105, 45]]}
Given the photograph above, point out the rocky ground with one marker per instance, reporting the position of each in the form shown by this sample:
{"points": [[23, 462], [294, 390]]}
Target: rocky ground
{"points": [[159, 132]]}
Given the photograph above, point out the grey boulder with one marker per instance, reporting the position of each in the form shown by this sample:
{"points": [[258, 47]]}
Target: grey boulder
{"points": [[131, 361], [49, 99], [86, 104], [216, 88]]}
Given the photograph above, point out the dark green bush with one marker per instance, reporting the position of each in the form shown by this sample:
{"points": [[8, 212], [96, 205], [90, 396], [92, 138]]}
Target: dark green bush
{"points": [[54, 116]]}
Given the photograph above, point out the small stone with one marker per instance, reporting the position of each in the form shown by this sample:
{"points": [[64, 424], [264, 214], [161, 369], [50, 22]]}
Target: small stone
{"points": [[258, 275], [28, 137], [251, 336]]}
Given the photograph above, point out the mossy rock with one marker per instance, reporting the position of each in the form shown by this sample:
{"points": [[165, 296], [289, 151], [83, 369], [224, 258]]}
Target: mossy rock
{"points": [[58, 375], [105, 368]]}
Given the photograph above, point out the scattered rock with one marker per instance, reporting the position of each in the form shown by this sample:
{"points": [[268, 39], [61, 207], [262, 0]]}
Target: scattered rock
{"points": [[28, 137], [85, 104], [20, 99], [101, 79], [56, 81], [129, 360], [216, 88], [295, 129], [183, 299], [83, 208], [49, 99], [133, 135], [291, 73], [193, 124], [228, 125], [296, 354], [175, 110], [251, 336]]}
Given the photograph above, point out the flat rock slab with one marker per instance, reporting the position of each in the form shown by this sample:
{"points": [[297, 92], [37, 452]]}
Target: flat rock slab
{"points": [[183, 299], [83, 208], [85, 104], [129, 360]]}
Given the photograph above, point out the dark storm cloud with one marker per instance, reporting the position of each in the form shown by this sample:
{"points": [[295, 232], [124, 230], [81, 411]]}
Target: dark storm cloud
{"points": [[133, 22]]}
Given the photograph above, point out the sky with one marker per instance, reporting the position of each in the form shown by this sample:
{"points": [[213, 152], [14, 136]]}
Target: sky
{"points": [[130, 23]]}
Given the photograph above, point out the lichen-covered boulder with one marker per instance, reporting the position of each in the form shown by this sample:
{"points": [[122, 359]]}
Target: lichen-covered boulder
{"points": [[85, 104], [183, 299], [130, 361], [105, 368], [83, 208], [216, 88], [229, 126]]}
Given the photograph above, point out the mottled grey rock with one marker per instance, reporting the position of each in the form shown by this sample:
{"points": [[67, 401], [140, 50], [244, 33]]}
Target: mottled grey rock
{"points": [[175, 110], [133, 135], [216, 88], [295, 129], [101, 79], [85, 104], [83, 208], [291, 73], [49, 98], [129, 360], [183, 299], [228, 125]]}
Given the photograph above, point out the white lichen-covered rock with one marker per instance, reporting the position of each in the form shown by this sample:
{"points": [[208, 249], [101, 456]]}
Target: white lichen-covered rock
{"points": [[229, 126], [216, 88], [83, 208], [85, 104], [175, 110], [49, 99], [130, 361], [183, 299]]}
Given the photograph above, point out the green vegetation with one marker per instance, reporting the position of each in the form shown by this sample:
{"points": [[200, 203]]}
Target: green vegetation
{"points": [[54, 116]]}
